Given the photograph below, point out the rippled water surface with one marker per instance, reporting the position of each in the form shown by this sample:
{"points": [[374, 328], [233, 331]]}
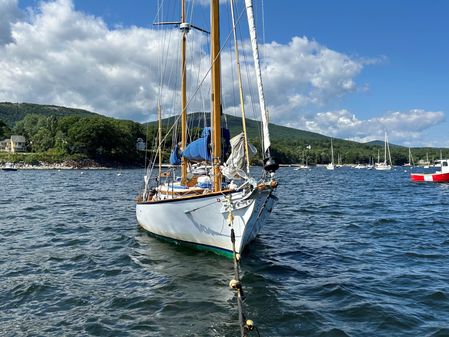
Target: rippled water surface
{"points": [[345, 253]]}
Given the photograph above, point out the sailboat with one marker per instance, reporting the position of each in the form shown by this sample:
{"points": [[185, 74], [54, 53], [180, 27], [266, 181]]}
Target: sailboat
{"points": [[410, 158], [202, 211], [427, 163], [370, 165], [304, 165], [331, 165], [339, 161], [385, 166]]}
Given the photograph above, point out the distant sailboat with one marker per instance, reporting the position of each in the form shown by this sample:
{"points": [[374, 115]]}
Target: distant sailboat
{"points": [[304, 164], [385, 166], [331, 165], [370, 166], [427, 164], [339, 164], [410, 158]]}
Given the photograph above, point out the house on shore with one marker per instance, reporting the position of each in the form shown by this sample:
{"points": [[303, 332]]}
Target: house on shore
{"points": [[4, 145], [14, 144]]}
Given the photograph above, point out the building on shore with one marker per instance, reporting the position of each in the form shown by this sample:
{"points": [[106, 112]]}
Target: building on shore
{"points": [[4, 145], [14, 144]]}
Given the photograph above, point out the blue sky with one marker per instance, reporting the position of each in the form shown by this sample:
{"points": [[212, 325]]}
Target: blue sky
{"points": [[375, 64]]}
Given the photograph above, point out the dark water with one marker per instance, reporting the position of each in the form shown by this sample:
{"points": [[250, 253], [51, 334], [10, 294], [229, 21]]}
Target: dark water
{"points": [[346, 253]]}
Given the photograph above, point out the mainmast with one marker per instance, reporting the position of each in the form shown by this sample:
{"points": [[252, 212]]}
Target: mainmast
{"points": [[184, 30], [216, 92]]}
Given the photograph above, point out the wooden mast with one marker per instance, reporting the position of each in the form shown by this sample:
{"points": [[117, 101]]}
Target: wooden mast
{"points": [[159, 133], [216, 92], [183, 95]]}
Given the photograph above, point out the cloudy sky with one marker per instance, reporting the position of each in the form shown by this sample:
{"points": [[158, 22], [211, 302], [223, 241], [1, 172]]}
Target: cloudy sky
{"points": [[348, 69]]}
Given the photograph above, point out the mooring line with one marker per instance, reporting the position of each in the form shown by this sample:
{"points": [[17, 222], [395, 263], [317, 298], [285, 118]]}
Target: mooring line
{"points": [[246, 325]]}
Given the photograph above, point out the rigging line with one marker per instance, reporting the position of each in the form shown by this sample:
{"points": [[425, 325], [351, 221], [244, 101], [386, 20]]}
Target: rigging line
{"points": [[167, 70], [159, 9], [250, 89], [153, 163], [207, 73], [204, 78], [191, 11], [242, 103], [216, 58], [159, 63], [166, 51], [164, 54]]}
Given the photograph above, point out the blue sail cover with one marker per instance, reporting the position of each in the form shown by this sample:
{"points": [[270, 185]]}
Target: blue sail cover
{"points": [[175, 159], [199, 149]]}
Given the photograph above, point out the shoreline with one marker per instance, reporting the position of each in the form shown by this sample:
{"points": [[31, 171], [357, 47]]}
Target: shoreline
{"points": [[66, 165], [45, 166]]}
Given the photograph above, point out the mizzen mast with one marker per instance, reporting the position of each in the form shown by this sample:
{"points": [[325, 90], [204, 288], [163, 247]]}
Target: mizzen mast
{"points": [[216, 92], [184, 29]]}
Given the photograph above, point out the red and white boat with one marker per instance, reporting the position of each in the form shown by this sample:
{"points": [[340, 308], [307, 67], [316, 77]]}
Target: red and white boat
{"points": [[437, 177]]}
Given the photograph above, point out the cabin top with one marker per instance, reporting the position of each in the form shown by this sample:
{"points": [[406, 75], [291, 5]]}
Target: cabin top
{"points": [[444, 165]]}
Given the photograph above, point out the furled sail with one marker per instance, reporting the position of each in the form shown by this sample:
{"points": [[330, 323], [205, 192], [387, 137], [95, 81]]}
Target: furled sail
{"points": [[236, 160], [253, 35]]}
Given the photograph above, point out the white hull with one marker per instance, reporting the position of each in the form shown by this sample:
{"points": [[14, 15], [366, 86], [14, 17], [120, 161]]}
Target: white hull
{"points": [[302, 167], [330, 167], [202, 221], [383, 167]]}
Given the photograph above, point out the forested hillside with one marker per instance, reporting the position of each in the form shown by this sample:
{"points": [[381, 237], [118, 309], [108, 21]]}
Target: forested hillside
{"points": [[11, 113], [59, 133]]}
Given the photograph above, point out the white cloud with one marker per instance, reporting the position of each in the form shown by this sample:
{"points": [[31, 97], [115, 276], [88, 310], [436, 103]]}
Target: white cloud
{"points": [[8, 15], [403, 127], [62, 56], [304, 73], [57, 55]]}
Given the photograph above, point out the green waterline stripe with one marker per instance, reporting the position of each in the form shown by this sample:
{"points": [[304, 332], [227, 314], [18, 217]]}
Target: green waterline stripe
{"points": [[192, 245]]}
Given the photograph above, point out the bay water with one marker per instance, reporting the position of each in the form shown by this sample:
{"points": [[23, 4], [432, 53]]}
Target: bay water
{"points": [[345, 253]]}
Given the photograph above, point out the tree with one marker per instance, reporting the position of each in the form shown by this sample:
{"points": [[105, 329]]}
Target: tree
{"points": [[5, 131]]}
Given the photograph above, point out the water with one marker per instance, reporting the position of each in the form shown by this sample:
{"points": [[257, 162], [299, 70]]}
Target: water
{"points": [[345, 253]]}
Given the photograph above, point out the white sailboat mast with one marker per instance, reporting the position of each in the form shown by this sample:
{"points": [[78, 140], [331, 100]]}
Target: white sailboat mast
{"points": [[332, 151], [264, 113], [388, 147]]}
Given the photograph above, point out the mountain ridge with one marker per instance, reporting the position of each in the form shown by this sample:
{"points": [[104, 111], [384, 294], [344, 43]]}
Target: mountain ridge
{"points": [[288, 145]]}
